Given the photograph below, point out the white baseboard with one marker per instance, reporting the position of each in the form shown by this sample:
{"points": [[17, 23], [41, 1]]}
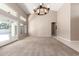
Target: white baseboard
{"points": [[72, 44], [6, 42], [59, 37]]}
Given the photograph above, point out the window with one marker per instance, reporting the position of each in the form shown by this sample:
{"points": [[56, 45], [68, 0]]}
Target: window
{"points": [[4, 30], [25, 29], [22, 18], [4, 26], [21, 24], [8, 9]]}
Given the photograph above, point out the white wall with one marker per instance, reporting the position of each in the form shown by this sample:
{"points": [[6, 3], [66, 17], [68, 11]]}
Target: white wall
{"points": [[63, 22], [41, 25]]}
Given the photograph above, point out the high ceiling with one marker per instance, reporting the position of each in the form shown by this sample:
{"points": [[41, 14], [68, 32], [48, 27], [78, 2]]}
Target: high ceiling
{"points": [[28, 7]]}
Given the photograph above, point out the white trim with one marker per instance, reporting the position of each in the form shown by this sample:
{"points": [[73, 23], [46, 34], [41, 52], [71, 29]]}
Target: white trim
{"points": [[72, 44], [59, 37], [7, 42]]}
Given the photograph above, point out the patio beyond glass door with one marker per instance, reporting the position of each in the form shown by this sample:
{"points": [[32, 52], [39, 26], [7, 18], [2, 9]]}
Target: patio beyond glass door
{"points": [[4, 30], [8, 30]]}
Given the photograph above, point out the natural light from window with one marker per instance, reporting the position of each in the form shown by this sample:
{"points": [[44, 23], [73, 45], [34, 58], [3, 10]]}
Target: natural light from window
{"points": [[4, 31], [4, 37], [22, 18]]}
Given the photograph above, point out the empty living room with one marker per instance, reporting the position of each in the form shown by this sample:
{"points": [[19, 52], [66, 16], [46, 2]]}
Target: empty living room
{"points": [[39, 29]]}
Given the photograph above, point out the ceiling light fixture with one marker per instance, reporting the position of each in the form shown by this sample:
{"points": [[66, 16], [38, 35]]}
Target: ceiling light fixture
{"points": [[42, 9]]}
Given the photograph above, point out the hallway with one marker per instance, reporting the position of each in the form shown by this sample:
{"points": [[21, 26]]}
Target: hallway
{"points": [[37, 46]]}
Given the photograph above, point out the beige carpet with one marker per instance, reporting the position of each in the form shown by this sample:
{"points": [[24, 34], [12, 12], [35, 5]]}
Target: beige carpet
{"points": [[37, 46]]}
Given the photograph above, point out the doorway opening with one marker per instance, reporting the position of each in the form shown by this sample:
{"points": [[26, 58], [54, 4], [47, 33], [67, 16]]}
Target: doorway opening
{"points": [[53, 28]]}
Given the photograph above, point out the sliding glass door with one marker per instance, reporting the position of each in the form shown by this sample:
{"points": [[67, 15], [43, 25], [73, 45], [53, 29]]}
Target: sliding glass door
{"points": [[8, 30], [4, 30], [14, 30]]}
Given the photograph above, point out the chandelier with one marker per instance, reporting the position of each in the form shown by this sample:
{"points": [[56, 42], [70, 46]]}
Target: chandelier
{"points": [[42, 9]]}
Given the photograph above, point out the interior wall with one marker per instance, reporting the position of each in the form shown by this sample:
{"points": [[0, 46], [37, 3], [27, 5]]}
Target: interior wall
{"points": [[63, 22], [41, 25], [75, 21]]}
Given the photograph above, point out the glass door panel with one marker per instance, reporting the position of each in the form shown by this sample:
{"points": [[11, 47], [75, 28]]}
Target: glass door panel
{"points": [[14, 30], [8, 30], [4, 30]]}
